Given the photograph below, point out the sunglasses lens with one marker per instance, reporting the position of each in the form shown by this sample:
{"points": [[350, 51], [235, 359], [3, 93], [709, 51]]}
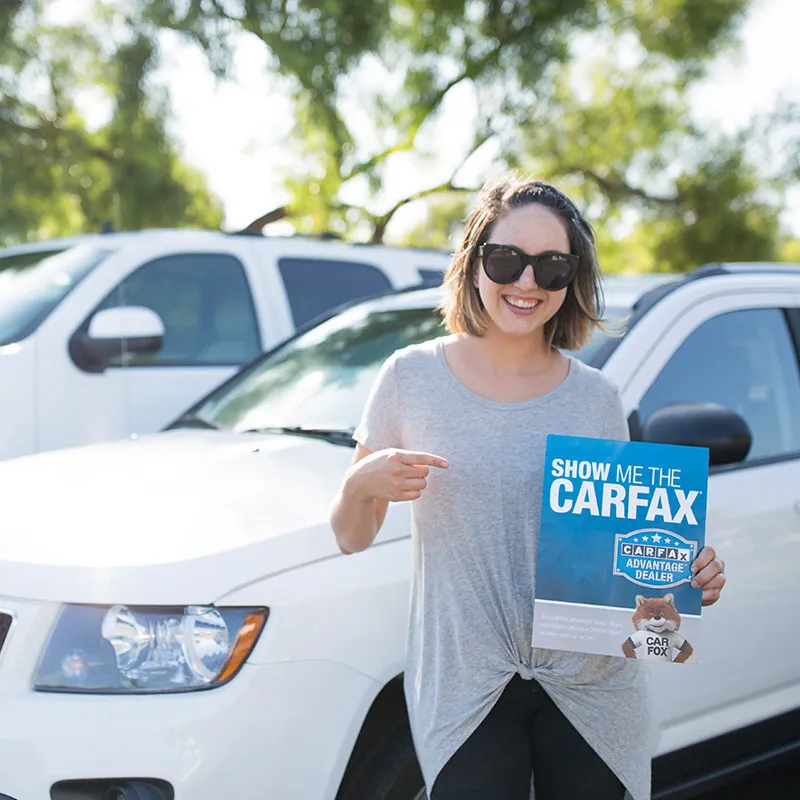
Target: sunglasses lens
{"points": [[553, 273], [502, 266]]}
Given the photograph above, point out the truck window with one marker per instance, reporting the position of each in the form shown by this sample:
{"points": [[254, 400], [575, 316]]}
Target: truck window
{"points": [[205, 304], [33, 284], [430, 277], [315, 286]]}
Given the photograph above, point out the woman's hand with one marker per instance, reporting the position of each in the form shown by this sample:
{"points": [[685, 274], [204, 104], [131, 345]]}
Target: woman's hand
{"points": [[709, 572], [392, 475]]}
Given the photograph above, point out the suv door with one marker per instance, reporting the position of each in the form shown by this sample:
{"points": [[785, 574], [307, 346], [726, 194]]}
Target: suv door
{"points": [[210, 330], [737, 350]]}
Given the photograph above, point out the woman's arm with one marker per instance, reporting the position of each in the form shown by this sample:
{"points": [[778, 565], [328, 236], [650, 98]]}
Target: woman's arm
{"points": [[372, 482], [356, 519]]}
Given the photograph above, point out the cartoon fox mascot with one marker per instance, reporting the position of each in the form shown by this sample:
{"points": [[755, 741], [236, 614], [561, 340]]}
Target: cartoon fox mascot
{"points": [[657, 622]]}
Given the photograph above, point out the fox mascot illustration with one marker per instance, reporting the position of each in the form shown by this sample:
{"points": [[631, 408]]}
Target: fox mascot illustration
{"points": [[656, 621]]}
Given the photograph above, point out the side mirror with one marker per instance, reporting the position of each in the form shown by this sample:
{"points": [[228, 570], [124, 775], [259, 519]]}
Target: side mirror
{"points": [[725, 433], [115, 331]]}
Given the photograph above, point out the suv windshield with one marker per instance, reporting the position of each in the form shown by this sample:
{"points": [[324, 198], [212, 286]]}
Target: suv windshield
{"points": [[320, 381], [33, 284]]}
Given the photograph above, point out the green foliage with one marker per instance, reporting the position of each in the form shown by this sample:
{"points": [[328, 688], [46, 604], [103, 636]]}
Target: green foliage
{"points": [[630, 152], [441, 227], [370, 80], [588, 93], [790, 251], [58, 175], [688, 32]]}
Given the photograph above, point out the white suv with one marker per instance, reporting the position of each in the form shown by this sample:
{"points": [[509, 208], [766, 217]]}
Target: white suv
{"points": [[107, 335], [179, 623]]}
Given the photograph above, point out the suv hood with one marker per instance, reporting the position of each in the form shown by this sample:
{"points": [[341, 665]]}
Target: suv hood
{"points": [[179, 517]]}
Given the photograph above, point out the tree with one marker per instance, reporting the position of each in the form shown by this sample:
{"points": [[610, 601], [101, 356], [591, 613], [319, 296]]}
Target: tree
{"points": [[370, 79], [664, 194], [58, 175]]}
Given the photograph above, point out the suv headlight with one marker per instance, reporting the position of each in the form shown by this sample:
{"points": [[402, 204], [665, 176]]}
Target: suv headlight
{"points": [[145, 649]]}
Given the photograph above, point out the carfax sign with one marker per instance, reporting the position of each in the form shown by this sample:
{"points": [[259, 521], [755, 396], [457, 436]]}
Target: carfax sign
{"points": [[621, 524]]}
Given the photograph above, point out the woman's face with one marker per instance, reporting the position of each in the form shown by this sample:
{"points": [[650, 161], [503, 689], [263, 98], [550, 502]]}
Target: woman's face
{"points": [[522, 308]]}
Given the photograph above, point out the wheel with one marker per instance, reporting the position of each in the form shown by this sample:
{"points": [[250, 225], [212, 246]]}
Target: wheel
{"points": [[389, 772]]}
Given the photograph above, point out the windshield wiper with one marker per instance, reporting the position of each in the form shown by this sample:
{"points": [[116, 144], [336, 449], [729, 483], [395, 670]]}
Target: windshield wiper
{"points": [[343, 436], [194, 421]]}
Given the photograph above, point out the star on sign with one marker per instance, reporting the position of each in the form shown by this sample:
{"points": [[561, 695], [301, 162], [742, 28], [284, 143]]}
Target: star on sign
{"points": [[636, 540], [656, 537], [645, 539], [667, 541]]}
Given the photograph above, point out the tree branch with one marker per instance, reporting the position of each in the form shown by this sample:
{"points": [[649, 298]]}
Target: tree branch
{"points": [[470, 71], [448, 186], [382, 221], [282, 212], [616, 188]]}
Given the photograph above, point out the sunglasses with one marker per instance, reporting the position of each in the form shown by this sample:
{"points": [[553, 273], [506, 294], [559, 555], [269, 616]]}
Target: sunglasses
{"points": [[551, 270]]}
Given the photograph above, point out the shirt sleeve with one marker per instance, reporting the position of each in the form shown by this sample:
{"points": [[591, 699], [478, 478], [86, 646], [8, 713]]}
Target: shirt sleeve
{"points": [[677, 640], [637, 638], [380, 426], [615, 425]]}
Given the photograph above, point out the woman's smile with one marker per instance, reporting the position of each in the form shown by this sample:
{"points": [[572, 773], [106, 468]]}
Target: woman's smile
{"points": [[521, 305]]}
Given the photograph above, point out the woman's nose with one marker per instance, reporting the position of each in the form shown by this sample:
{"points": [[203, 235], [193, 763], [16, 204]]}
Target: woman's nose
{"points": [[527, 280]]}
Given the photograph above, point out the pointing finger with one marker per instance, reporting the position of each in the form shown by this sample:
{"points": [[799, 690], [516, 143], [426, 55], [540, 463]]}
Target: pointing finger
{"points": [[426, 459]]}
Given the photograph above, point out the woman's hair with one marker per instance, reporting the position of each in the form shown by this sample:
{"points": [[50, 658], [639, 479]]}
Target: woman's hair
{"points": [[573, 324]]}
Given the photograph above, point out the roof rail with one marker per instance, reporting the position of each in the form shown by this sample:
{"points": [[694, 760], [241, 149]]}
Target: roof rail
{"points": [[743, 268]]}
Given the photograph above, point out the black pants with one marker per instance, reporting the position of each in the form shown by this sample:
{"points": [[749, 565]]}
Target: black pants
{"points": [[525, 732]]}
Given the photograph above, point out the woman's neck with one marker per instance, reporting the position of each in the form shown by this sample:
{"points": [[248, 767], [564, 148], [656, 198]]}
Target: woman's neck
{"points": [[513, 354]]}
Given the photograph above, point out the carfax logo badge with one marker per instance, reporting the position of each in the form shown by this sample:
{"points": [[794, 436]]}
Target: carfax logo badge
{"points": [[653, 558]]}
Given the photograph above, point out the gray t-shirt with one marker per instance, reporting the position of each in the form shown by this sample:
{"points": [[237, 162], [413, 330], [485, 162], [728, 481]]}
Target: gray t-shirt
{"points": [[475, 533]]}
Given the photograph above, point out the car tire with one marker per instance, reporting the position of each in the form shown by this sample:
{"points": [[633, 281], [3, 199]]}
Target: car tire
{"points": [[390, 772]]}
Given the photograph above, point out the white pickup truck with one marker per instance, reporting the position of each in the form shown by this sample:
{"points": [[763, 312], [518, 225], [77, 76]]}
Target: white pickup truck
{"points": [[107, 335], [177, 622]]}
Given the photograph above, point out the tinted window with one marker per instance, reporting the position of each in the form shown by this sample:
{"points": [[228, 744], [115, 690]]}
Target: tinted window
{"points": [[26, 259], [33, 284], [322, 378], [430, 277], [205, 304], [315, 286], [746, 361]]}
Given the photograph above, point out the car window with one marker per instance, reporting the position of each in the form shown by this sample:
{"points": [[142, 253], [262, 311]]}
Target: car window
{"points": [[315, 286], [33, 284], [205, 304], [744, 360], [321, 379], [430, 277]]}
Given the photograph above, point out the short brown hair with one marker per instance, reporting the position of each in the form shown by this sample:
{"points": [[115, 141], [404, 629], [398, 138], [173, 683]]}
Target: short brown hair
{"points": [[582, 310]]}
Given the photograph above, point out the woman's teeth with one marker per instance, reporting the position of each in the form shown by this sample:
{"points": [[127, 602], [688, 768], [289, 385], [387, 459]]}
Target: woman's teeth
{"points": [[518, 302]]}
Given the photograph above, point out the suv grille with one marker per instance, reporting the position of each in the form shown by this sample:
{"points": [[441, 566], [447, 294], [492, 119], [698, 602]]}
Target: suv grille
{"points": [[5, 624]]}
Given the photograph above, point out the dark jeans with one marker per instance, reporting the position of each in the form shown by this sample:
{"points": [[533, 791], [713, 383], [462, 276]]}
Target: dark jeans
{"points": [[525, 732]]}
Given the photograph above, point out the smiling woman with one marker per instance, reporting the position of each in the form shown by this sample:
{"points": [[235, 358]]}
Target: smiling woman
{"points": [[458, 426]]}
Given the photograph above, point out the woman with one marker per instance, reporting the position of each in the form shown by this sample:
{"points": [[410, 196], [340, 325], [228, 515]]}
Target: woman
{"points": [[458, 425]]}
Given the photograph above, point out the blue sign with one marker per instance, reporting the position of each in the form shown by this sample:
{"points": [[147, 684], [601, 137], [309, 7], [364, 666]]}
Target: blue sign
{"points": [[621, 524]]}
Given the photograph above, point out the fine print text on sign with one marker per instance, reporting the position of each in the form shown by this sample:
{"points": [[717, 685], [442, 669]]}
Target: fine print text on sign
{"points": [[621, 525]]}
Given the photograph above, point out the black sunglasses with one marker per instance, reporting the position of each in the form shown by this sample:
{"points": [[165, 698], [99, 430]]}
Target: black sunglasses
{"points": [[551, 270]]}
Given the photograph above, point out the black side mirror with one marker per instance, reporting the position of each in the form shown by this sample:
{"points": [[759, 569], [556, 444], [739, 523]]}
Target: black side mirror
{"points": [[723, 431], [114, 331]]}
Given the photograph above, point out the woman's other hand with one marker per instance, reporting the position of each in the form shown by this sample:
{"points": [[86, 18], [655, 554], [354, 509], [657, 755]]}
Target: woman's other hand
{"points": [[709, 573]]}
